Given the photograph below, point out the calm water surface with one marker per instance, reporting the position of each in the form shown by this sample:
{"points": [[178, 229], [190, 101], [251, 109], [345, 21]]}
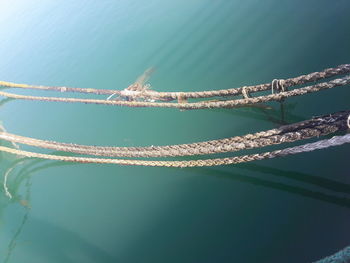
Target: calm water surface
{"points": [[293, 209]]}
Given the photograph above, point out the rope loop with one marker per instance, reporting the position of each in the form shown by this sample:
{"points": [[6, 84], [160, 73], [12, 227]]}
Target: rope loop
{"points": [[246, 93], [278, 86]]}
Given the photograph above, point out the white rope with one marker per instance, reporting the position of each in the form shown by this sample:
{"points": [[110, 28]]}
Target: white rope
{"points": [[322, 144], [7, 192], [110, 96], [334, 141], [341, 256], [276, 85], [245, 93], [6, 175]]}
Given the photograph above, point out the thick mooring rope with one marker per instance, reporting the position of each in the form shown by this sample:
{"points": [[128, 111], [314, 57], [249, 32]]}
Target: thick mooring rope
{"points": [[317, 126], [300, 80], [342, 256], [279, 90], [149, 98], [195, 105], [335, 141], [323, 124]]}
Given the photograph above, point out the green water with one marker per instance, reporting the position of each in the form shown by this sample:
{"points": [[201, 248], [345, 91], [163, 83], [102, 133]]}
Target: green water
{"points": [[293, 209]]}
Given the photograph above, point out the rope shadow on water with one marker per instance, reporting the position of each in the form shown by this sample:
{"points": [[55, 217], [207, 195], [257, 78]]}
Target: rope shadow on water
{"points": [[13, 242], [29, 166], [319, 181], [27, 169], [345, 202], [297, 190], [15, 198], [278, 116], [4, 101]]}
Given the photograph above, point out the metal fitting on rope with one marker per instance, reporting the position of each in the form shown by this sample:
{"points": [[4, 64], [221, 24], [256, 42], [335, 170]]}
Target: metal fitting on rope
{"points": [[348, 121], [245, 93]]}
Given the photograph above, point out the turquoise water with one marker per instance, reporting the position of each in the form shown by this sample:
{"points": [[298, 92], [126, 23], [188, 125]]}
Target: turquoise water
{"points": [[293, 209]]}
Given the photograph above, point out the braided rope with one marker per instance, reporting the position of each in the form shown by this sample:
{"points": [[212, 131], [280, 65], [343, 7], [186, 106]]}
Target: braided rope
{"points": [[246, 93], [196, 105], [335, 141], [203, 148], [312, 77], [342, 256], [299, 131]]}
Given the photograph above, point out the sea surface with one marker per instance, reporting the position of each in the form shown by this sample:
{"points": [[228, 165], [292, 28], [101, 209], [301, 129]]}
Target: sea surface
{"points": [[291, 209]]}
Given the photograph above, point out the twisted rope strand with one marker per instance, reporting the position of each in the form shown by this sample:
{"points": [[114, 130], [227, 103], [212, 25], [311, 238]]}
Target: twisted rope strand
{"points": [[196, 105], [289, 133], [323, 144], [202, 148], [335, 141], [312, 77]]}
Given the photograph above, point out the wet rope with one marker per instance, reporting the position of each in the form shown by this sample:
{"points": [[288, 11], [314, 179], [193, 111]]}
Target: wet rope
{"points": [[150, 96], [309, 147], [317, 126], [335, 141], [195, 105], [318, 123], [300, 80], [342, 256], [279, 91], [6, 175]]}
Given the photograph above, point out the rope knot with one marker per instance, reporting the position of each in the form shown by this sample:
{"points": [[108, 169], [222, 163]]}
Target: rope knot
{"points": [[135, 91]]}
